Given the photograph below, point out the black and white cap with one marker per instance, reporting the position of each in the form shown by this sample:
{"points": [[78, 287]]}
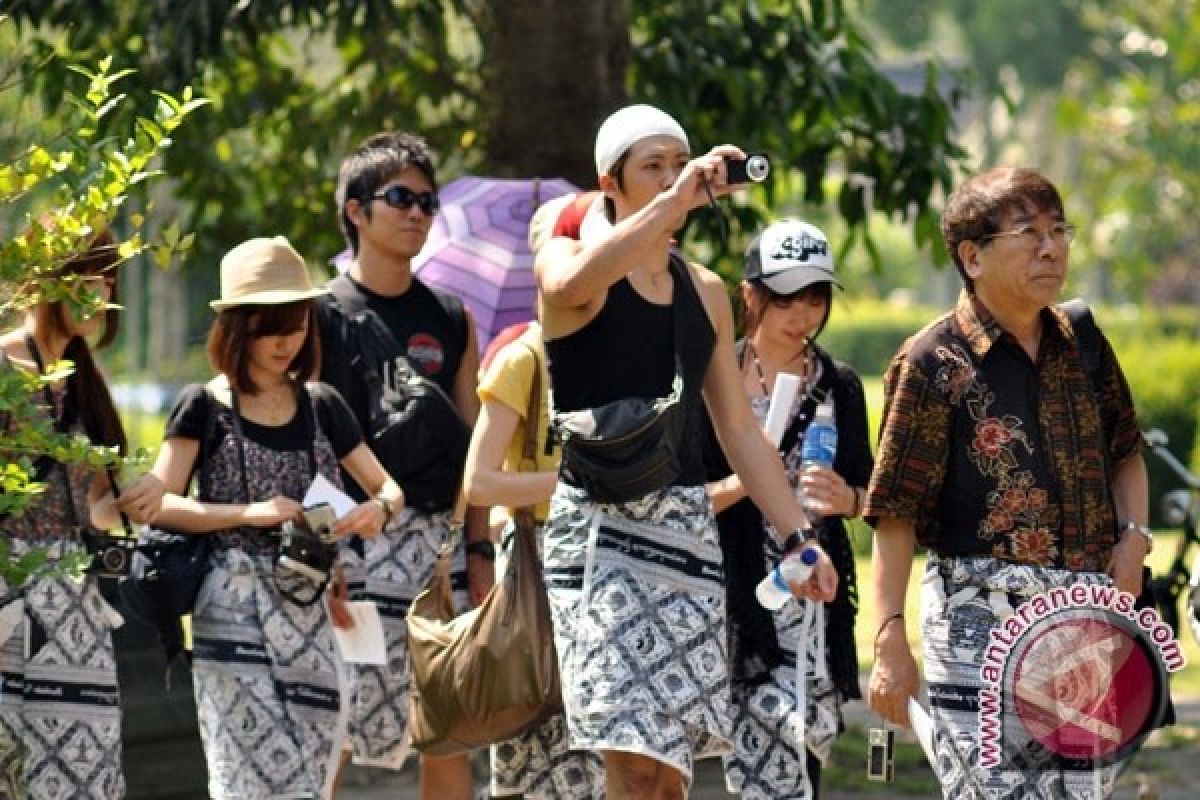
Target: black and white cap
{"points": [[788, 256]]}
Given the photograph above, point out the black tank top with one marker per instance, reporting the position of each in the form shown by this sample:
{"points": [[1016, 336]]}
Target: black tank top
{"points": [[627, 350]]}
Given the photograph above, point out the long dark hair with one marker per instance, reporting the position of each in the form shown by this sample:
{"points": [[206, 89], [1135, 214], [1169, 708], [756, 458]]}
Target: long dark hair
{"points": [[86, 385]]}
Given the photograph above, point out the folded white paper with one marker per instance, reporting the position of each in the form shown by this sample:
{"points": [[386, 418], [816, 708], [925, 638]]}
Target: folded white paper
{"points": [[322, 491], [364, 643], [922, 725], [787, 386]]}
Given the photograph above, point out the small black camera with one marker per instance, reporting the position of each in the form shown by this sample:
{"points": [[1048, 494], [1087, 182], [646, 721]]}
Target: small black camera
{"points": [[309, 547], [881, 758], [754, 167], [111, 555]]}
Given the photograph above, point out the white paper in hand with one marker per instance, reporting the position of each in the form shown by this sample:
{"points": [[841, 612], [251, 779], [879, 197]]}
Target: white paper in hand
{"points": [[322, 491], [364, 643], [783, 397], [922, 726]]}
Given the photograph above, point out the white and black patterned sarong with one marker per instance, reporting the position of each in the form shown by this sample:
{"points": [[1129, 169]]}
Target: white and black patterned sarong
{"points": [[638, 599], [60, 711], [962, 600], [268, 682], [540, 765], [391, 571], [779, 720]]}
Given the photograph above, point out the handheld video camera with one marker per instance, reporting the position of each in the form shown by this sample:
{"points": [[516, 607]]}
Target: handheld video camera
{"points": [[754, 167], [111, 555], [309, 547]]}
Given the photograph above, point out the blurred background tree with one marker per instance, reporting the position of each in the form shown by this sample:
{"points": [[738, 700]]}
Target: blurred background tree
{"points": [[513, 88], [59, 191]]}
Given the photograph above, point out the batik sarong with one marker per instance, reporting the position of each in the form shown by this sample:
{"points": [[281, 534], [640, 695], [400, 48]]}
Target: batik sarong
{"points": [[962, 600], [539, 764], [60, 711], [391, 571], [778, 720], [268, 681], [637, 597]]}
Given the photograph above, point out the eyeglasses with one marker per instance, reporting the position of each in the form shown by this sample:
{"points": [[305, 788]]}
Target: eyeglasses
{"points": [[1030, 237], [404, 198]]}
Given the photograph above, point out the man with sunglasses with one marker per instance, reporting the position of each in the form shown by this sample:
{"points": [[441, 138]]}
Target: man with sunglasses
{"points": [[1009, 450], [386, 201]]}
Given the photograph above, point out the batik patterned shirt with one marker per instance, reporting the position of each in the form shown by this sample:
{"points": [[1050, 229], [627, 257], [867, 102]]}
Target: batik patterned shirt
{"points": [[988, 452]]}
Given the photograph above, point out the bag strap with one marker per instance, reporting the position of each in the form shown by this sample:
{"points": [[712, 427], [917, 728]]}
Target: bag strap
{"points": [[1087, 334], [533, 410]]}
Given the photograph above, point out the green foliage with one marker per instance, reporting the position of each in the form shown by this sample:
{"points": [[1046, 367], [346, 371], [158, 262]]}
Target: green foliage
{"points": [[866, 334], [71, 188], [798, 81], [296, 84], [1163, 373], [1120, 78]]}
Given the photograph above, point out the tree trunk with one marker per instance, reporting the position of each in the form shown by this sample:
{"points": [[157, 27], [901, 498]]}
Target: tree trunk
{"points": [[555, 70]]}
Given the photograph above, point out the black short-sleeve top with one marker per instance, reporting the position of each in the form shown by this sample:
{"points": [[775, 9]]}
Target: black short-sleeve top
{"points": [[189, 420]]}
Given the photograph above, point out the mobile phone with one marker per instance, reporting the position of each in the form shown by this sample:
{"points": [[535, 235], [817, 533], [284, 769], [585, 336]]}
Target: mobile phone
{"points": [[754, 168]]}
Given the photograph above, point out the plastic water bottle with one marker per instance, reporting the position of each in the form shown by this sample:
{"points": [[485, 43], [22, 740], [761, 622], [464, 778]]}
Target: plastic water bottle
{"points": [[773, 591], [820, 445]]}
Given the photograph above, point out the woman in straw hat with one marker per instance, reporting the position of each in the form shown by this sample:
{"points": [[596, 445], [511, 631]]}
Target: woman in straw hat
{"points": [[266, 669], [60, 722]]}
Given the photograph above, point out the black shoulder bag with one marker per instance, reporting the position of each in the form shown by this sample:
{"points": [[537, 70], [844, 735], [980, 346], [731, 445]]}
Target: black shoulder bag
{"points": [[412, 425], [629, 447], [168, 567]]}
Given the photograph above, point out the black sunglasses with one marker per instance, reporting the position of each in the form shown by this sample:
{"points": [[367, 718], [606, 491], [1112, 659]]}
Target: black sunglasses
{"points": [[404, 198]]}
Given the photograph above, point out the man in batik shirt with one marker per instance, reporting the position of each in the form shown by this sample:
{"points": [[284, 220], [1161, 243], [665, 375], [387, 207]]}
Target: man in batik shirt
{"points": [[1015, 461]]}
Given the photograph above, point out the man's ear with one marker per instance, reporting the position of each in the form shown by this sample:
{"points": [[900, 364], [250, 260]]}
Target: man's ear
{"points": [[356, 212], [608, 184], [968, 254]]}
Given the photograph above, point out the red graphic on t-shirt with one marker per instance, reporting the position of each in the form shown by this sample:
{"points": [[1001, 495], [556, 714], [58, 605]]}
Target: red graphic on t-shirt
{"points": [[427, 351]]}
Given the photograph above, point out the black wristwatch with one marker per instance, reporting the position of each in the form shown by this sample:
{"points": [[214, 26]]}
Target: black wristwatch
{"points": [[797, 539], [484, 548]]}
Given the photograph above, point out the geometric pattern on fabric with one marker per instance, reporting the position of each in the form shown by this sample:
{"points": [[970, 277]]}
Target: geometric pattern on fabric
{"points": [[267, 680], [60, 715], [637, 598], [538, 765], [962, 599], [393, 569], [770, 738]]}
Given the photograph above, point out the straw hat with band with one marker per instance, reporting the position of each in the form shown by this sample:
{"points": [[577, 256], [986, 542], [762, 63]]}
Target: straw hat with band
{"points": [[788, 256], [265, 271]]}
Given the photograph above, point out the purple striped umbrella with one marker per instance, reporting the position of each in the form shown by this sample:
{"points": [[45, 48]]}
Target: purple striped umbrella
{"points": [[478, 248]]}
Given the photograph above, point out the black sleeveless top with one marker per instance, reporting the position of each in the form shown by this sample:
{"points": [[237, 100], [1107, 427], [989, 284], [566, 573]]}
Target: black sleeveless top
{"points": [[627, 350]]}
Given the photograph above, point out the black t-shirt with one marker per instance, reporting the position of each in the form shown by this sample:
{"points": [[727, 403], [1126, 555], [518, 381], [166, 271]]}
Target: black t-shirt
{"points": [[429, 324], [189, 420]]}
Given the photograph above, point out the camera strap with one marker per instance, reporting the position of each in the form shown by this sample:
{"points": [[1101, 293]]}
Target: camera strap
{"points": [[304, 408]]}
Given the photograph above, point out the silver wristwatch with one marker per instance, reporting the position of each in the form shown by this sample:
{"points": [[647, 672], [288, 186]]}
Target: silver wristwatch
{"points": [[1141, 529]]}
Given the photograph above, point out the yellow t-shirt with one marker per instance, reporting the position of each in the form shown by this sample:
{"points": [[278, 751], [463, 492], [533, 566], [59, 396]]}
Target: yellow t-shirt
{"points": [[509, 380]]}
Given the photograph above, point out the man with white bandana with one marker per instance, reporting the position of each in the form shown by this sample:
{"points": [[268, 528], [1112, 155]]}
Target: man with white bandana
{"points": [[636, 585]]}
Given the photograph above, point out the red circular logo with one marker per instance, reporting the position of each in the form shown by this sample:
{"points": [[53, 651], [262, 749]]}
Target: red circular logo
{"points": [[427, 351], [1085, 686]]}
